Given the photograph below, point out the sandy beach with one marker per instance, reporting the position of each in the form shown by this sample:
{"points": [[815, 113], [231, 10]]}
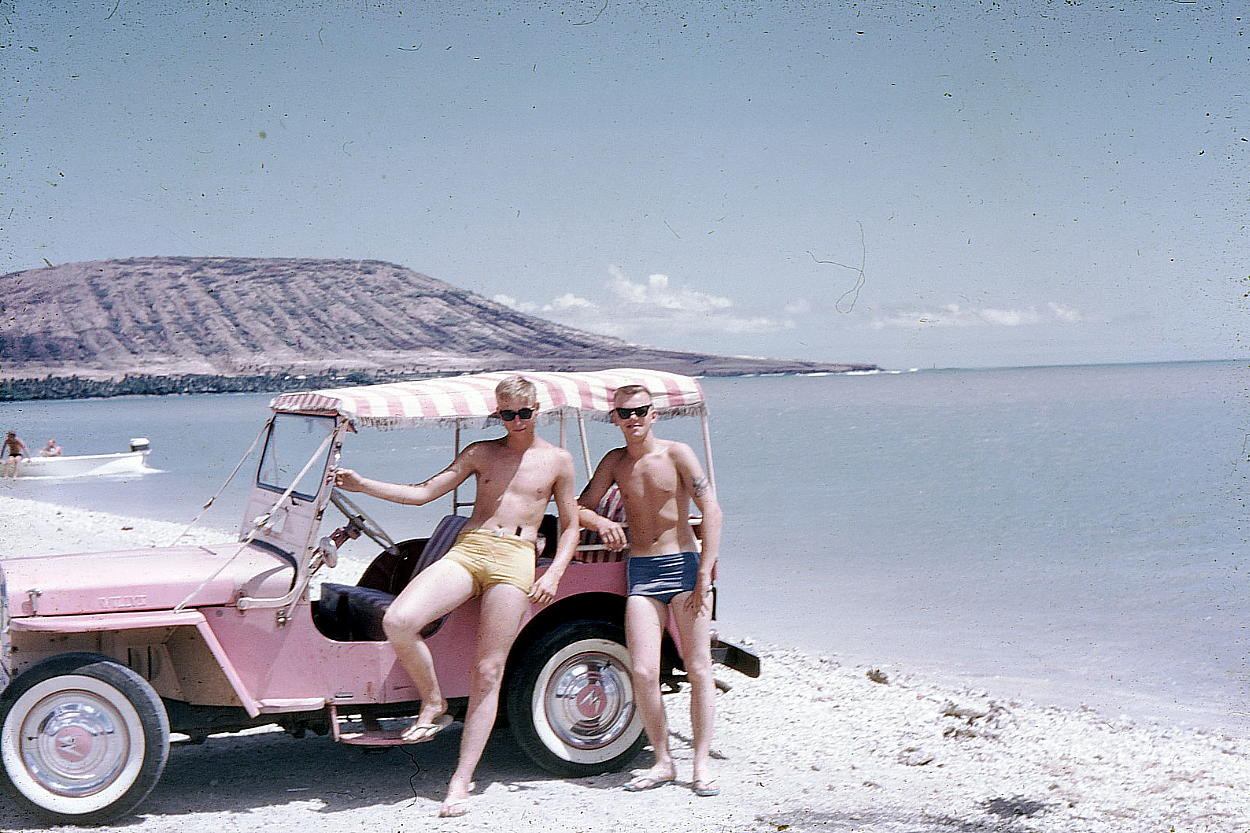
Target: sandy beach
{"points": [[814, 744]]}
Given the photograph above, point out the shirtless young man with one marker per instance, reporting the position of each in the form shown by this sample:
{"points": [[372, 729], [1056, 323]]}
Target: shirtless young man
{"points": [[493, 557], [16, 450], [658, 479]]}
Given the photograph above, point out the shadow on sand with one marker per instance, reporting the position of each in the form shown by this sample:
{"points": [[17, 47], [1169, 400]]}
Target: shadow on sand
{"points": [[237, 773]]}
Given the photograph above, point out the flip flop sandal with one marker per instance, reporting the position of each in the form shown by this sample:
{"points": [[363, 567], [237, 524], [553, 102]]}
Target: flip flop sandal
{"points": [[425, 732], [646, 782], [705, 789], [454, 809]]}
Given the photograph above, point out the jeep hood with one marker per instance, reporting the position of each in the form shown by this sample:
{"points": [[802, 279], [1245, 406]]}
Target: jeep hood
{"points": [[144, 579]]}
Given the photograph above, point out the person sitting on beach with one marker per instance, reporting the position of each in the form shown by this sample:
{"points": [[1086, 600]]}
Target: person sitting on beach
{"points": [[493, 558], [665, 573], [50, 450], [14, 450]]}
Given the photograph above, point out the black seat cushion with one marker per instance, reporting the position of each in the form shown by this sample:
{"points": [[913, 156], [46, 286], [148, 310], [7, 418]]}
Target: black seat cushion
{"points": [[365, 609]]}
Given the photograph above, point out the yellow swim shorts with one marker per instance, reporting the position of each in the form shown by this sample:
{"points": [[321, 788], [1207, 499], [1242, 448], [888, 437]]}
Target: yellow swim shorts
{"points": [[494, 558]]}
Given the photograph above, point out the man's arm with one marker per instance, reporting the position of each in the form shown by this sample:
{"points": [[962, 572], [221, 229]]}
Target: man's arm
{"points": [[413, 494], [544, 589], [610, 532], [704, 497]]}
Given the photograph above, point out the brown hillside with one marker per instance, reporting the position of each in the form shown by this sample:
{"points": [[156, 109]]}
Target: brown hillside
{"points": [[247, 316]]}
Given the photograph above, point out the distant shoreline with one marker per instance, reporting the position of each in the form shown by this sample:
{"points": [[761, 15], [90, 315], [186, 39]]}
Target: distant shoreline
{"points": [[51, 387], [74, 386]]}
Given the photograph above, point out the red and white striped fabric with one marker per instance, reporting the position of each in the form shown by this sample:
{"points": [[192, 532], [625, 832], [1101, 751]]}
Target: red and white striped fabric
{"points": [[472, 397], [612, 507]]}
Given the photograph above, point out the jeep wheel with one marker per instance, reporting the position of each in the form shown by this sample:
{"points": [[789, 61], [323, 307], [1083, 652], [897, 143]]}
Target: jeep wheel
{"points": [[83, 739], [571, 703]]}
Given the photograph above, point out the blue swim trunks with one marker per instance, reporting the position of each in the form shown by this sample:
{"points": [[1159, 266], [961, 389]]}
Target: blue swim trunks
{"points": [[662, 577]]}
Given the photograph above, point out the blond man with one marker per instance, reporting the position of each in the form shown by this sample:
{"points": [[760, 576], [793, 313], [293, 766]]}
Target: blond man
{"points": [[492, 558], [667, 573]]}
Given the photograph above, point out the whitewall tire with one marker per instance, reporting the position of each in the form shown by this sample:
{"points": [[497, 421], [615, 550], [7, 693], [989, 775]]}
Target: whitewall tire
{"points": [[571, 702], [83, 739]]}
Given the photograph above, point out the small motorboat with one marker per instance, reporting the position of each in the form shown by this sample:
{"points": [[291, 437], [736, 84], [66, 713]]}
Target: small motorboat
{"points": [[134, 461]]}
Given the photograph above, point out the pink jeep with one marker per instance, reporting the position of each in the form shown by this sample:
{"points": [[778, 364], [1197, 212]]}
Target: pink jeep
{"points": [[103, 655]]}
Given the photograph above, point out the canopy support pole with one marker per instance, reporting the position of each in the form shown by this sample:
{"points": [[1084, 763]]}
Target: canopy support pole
{"points": [[581, 431], [707, 449], [455, 493]]}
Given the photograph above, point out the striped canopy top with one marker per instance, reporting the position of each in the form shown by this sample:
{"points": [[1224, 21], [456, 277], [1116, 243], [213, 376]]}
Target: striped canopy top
{"points": [[470, 399]]}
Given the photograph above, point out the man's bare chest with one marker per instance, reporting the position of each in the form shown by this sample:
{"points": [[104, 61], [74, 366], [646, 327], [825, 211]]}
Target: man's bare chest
{"points": [[528, 476], [649, 479]]}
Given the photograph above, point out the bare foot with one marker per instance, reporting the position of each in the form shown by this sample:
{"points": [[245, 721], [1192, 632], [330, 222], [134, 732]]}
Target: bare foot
{"points": [[454, 808], [431, 720], [431, 710], [456, 803], [657, 776], [420, 731], [705, 787], [704, 782]]}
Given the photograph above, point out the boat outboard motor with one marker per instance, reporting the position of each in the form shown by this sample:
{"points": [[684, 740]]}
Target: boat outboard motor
{"points": [[139, 444]]}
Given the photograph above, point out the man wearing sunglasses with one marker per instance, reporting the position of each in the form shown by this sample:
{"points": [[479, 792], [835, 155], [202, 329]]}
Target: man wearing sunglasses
{"points": [[666, 573], [493, 558]]}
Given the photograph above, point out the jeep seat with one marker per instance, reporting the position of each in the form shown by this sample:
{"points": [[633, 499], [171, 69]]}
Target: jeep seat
{"points": [[355, 612]]}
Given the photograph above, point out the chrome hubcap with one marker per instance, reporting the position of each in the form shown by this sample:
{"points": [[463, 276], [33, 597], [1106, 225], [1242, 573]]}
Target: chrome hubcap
{"points": [[589, 701], [74, 743]]}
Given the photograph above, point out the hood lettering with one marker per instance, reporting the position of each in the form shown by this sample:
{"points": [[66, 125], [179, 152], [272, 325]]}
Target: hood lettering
{"points": [[122, 602]]}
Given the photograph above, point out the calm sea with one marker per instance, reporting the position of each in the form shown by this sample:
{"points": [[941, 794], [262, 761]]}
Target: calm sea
{"points": [[1065, 535]]}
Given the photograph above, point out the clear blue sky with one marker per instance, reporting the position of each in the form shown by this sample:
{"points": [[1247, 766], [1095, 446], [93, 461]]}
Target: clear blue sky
{"points": [[1023, 183]]}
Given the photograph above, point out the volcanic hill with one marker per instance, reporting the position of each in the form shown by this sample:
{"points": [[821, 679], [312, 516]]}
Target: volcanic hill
{"points": [[175, 324]]}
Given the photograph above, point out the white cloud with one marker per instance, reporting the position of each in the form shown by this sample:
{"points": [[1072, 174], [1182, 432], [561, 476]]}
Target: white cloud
{"points": [[798, 306], [509, 301], [954, 315], [1007, 317], [1065, 314], [569, 301], [657, 293], [636, 309]]}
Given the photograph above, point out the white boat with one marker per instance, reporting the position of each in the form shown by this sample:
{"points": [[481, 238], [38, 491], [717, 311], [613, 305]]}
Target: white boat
{"points": [[134, 461]]}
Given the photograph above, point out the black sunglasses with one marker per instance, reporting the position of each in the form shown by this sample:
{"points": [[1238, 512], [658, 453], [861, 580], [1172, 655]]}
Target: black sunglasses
{"points": [[523, 413], [626, 413]]}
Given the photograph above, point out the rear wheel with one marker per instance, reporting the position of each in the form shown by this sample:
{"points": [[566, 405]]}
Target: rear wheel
{"points": [[571, 703], [83, 739]]}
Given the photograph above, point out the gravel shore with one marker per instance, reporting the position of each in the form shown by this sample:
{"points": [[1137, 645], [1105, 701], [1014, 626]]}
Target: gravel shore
{"points": [[811, 745]]}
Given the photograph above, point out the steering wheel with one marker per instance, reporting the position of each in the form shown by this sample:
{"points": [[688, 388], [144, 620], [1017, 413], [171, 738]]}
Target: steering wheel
{"points": [[356, 517]]}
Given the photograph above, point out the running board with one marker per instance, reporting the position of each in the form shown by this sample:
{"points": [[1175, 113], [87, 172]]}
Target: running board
{"points": [[376, 732]]}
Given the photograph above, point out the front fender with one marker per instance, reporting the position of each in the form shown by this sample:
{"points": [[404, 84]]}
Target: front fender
{"points": [[98, 623]]}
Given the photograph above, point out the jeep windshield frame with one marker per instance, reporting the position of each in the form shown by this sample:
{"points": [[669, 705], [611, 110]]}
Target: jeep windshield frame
{"points": [[290, 442]]}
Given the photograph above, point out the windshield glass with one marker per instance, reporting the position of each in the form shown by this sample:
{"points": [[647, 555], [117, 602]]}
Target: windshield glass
{"points": [[293, 438]]}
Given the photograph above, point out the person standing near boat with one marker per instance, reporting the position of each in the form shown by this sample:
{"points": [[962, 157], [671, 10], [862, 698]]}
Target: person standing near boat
{"points": [[14, 450], [666, 572], [493, 558], [50, 450]]}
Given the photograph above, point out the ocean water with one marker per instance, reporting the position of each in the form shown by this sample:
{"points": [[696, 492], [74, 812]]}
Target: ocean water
{"points": [[1066, 535]]}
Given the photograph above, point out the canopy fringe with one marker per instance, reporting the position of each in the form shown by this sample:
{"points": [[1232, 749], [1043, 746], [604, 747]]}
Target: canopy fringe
{"points": [[548, 417]]}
